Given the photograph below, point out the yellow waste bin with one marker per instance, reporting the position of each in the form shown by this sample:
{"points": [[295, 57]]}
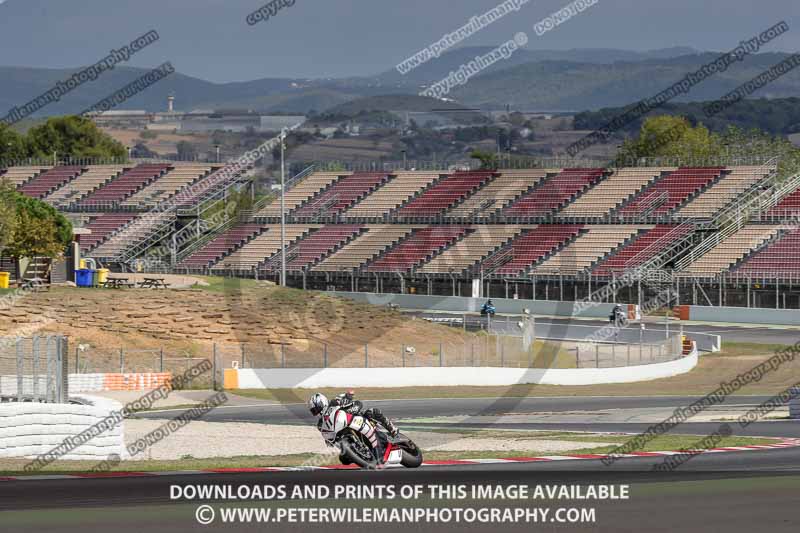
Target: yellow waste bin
{"points": [[82, 263], [102, 275], [4, 277]]}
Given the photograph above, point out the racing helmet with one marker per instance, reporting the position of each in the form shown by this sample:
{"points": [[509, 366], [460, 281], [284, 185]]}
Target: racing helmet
{"points": [[317, 403]]}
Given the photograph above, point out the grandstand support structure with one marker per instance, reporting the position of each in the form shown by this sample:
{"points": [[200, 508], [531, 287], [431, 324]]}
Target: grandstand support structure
{"points": [[678, 240], [212, 231], [158, 224], [733, 217]]}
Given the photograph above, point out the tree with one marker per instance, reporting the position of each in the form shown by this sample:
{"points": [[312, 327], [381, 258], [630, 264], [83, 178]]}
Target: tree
{"points": [[186, 151], [8, 214], [488, 160], [72, 136], [141, 150], [669, 136], [39, 230], [12, 145]]}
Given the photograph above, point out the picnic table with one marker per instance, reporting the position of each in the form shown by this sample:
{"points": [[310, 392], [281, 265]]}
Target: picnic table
{"points": [[37, 284], [153, 283], [117, 283]]}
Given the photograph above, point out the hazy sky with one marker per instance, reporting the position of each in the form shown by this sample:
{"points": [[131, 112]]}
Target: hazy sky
{"points": [[210, 39]]}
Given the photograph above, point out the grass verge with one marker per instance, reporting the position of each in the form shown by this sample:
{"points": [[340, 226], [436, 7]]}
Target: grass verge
{"points": [[14, 467]]}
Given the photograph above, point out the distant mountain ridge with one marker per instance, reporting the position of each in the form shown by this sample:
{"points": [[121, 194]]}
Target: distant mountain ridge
{"points": [[574, 80]]}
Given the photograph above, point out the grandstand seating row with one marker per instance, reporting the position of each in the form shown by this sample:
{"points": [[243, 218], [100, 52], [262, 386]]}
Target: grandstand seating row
{"points": [[102, 186], [628, 194], [508, 250]]}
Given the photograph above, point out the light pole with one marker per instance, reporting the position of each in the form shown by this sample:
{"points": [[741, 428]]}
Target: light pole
{"points": [[283, 207], [405, 160], [217, 147]]}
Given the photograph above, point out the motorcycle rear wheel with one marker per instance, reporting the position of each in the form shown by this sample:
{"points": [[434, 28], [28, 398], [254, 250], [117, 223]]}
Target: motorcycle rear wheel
{"points": [[412, 456]]}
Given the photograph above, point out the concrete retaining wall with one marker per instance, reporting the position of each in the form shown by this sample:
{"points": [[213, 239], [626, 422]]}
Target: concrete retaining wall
{"points": [[311, 378], [461, 304], [744, 315], [29, 429], [794, 404]]}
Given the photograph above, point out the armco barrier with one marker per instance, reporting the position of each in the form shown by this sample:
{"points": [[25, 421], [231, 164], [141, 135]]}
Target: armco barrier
{"points": [[311, 378], [29, 429], [461, 304], [743, 315]]}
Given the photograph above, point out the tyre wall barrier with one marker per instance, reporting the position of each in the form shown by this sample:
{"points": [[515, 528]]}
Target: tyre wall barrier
{"points": [[99, 382], [462, 304], [30, 429], [311, 378]]}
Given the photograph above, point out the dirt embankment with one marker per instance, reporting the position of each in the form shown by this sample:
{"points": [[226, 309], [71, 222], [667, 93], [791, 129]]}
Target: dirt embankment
{"points": [[276, 325]]}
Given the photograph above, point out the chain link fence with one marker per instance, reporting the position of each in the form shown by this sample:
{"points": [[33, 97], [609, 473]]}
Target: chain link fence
{"points": [[34, 369], [519, 344]]}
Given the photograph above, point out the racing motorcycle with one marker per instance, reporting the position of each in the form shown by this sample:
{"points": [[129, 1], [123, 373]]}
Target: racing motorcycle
{"points": [[338, 431]]}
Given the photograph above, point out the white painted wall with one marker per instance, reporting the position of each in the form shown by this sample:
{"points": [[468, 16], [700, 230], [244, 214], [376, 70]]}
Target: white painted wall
{"points": [[311, 378], [29, 429]]}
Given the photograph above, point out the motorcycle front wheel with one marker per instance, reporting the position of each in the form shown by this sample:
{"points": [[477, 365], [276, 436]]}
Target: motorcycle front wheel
{"points": [[355, 450]]}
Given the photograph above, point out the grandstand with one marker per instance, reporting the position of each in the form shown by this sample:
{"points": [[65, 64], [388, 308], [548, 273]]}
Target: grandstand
{"points": [[448, 227], [126, 184], [43, 184], [93, 178]]}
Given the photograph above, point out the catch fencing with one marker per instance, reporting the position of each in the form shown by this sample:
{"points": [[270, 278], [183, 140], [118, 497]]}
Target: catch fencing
{"points": [[34, 369]]}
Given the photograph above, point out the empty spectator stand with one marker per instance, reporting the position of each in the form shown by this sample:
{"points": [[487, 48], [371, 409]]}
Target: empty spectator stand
{"points": [[587, 249], [365, 247], [307, 188], [443, 194], [419, 247], [734, 182], [621, 185], [340, 195], [472, 249], [498, 194], [732, 250], [94, 177], [319, 244], [128, 183], [531, 247], [18, 176], [112, 247], [221, 245], [258, 250], [50, 180], [787, 207], [177, 177], [639, 249], [552, 194], [103, 226], [393, 194], [778, 259], [672, 191]]}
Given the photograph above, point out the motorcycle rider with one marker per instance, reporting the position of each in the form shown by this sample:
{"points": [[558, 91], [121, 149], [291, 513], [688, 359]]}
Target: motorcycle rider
{"points": [[318, 404], [488, 308]]}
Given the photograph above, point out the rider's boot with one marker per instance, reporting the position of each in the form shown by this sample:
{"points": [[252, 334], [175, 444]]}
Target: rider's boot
{"points": [[385, 422]]}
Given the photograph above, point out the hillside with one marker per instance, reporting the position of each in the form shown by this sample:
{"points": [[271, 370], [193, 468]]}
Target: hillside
{"points": [[530, 81], [779, 116]]}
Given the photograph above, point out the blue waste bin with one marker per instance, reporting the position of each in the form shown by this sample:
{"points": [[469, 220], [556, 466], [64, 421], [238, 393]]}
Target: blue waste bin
{"points": [[83, 277]]}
